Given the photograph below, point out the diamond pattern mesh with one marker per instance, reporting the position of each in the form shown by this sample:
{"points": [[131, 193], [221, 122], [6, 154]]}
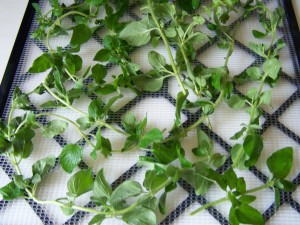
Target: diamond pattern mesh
{"points": [[280, 128]]}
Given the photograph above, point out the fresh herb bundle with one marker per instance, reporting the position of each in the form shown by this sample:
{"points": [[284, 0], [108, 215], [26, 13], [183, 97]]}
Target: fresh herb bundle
{"points": [[176, 24]]}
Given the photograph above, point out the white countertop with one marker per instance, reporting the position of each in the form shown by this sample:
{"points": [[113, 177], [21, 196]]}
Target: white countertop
{"points": [[11, 15]]}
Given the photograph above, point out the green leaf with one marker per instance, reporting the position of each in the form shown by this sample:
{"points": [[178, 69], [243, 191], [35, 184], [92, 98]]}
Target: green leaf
{"points": [[232, 217], [102, 55], [162, 203], [258, 34], [156, 60], [202, 182], [231, 178], [258, 49], [84, 122], [272, 67], [285, 185], [164, 153], [140, 216], [253, 73], [265, 97], [253, 145], [147, 83], [249, 215], [105, 90], [189, 5], [54, 128], [41, 64], [70, 157], [124, 191], [22, 144], [81, 34], [136, 33], [236, 102], [218, 160], [180, 100], [11, 191], [102, 144], [280, 162], [99, 72], [4, 145], [80, 183], [68, 211], [277, 198], [247, 199], [95, 109], [101, 186], [154, 179], [204, 145], [20, 182], [43, 166], [97, 220], [150, 137], [165, 11], [21, 100], [181, 156]]}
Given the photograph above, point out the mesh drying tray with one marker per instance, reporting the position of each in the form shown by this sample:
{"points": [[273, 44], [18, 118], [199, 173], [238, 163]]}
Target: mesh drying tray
{"points": [[281, 127]]}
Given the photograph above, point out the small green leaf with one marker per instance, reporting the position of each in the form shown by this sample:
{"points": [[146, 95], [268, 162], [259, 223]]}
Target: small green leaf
{"points": [[253, 73], [232, 217], [202, 182], [124, 191], [11, 191], [236, 102], [150, 137], [70, 157], [101, 186], [80, 183], [253, 145], [280, 162], [94, 2], [105, 90], [181, 156], [54, 128], [21, 100], [97, 220], [136, 33], [84, 122], [81, 34], [272, 67], [180, 100], [147, 83], [43, 166], [265, 97], [102, 144], [156, 60], [140, 216], [247, 199], [249, 215], [162, 203], [41, 64], [95, 109], [22, 143], [277, 198], [99, 72], [285, 185], [20, 182], [102, 55], [258, 34]]}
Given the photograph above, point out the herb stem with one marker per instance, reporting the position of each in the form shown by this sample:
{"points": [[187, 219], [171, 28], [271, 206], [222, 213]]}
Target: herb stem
{"points": [[115, 129], [269, 184], [202, 118], [72, 122], [62, 101], [9, 120], [209, 205], [167, 46]]}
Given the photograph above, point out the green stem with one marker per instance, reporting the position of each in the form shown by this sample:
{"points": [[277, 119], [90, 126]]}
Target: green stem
{"points": [[209, 205], [9, 120], [57, 22], [115, 129], [188, 65], [70, 121], [63, 102], [202, 118], [167, 46], [253, 190]]}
